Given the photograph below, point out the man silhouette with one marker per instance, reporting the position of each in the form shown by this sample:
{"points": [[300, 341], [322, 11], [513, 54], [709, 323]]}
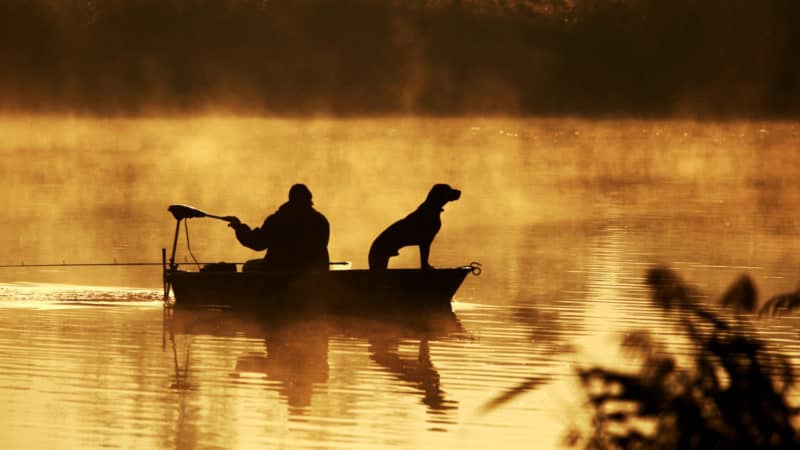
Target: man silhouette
{"points": [[295, 236]]}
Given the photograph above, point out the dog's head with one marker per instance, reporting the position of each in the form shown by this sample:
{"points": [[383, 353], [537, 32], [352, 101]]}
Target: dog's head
{"points": [[441, 194]]}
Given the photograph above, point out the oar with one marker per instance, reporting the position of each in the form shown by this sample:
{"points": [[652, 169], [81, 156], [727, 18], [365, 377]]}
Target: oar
{"points": [[188, 212]]}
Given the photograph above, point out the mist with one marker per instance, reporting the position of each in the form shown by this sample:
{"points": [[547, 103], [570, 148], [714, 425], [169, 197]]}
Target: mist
{"points": [[636, 58], [97, 190]]}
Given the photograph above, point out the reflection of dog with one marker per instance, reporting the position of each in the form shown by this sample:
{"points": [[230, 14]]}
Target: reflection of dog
{"points": [[418, 228]]}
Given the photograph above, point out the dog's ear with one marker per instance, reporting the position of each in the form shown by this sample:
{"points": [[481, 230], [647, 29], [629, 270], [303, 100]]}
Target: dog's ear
{"points": [[437, 193]]}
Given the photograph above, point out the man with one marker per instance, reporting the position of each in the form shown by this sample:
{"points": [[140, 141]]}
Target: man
{"points": [[295, 236]]}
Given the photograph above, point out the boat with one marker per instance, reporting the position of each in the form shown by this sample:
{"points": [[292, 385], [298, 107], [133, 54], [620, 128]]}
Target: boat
{"points": [[334, 291]]}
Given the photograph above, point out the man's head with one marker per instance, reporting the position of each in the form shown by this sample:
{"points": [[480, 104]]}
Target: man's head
{"points": [[300, 194]]}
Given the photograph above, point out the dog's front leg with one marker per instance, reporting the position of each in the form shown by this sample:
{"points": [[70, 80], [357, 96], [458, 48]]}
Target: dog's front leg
{"points": [[424, 251]]}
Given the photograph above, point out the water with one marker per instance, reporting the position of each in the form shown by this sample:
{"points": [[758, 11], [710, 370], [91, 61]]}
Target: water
{"points": [[565, 215]]}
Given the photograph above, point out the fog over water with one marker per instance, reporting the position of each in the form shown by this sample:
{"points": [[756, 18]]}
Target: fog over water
{"points": [[566, 216], [96, 190]]}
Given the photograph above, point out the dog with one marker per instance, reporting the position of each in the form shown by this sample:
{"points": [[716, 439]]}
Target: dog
{"points": [[418, 228]]}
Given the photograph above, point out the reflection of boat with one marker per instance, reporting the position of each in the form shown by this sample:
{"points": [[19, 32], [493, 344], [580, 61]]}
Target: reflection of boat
{"points": [[334, 291], [295, 352], [225, 323]]}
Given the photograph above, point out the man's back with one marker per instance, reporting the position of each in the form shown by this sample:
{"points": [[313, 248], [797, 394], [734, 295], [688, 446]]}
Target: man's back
{"points": [[297, 239]]}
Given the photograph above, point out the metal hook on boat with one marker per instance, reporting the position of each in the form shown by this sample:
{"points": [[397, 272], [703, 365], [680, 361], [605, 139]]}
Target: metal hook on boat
{"points": [[475, 268]]}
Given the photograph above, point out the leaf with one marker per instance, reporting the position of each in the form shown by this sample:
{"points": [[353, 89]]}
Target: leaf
{"points": [[781, 303], [522, 388], [741, 296]]}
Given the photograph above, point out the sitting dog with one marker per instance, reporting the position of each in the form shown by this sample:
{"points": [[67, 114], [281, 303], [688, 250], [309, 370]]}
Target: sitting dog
{"points": [[418, 228]]}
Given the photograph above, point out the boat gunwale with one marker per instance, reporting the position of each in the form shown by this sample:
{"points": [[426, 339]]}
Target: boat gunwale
{"points": [[257, 273]]}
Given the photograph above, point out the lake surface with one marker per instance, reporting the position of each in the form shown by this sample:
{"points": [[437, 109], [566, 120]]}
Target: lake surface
{"points": [[565, 215]]}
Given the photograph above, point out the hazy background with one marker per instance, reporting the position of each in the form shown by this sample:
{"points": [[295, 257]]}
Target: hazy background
{"points": [[707, 58], [539, 195]]}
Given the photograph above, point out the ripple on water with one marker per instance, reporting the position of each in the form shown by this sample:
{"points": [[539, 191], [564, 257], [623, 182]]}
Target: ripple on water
{"points": [[95, 375]]}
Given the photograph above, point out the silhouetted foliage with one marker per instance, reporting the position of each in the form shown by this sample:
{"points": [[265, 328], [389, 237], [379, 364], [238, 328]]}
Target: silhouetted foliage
{"points": [[655, 57], [733, 396], [781, 303]]}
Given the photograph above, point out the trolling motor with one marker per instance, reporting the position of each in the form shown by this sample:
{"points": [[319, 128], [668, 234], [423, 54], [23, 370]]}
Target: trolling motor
{"points": [[180, 212], [187, 212]]}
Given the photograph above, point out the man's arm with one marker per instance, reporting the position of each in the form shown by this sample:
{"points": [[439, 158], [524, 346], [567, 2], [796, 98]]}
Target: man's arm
{"points": [[256, 239]]}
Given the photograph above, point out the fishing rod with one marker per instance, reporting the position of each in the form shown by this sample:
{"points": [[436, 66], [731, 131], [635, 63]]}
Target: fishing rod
{"points": [[122, 264], [63, 264]]}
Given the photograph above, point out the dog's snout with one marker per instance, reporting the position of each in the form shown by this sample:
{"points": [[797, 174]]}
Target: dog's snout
{"points": [[456, 194]]}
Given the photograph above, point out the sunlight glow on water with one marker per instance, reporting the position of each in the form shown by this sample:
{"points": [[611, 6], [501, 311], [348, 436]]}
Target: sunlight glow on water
{"points": [[343, 385], [50, 295]]}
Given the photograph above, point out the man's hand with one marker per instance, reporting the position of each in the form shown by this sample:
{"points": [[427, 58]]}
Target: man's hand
{"points": [[233, 221]]}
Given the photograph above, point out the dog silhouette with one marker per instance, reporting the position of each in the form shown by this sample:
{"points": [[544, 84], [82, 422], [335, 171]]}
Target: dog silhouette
{"points": [[418, 228]]}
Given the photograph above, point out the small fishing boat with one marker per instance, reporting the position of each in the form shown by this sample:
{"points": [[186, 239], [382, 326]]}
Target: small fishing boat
{"points": [[335, 291]]}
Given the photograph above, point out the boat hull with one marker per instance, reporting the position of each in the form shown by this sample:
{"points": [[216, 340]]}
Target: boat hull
{"points": [[338, 291]]}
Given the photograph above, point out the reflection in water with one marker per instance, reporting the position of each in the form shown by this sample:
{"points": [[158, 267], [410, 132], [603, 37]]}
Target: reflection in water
{"points": [[358, 383], [297, 358], [181, 380], [296, 353], [419, 372]]}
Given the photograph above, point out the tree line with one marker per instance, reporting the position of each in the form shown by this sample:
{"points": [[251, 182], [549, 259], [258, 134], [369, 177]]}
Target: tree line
{"points": [[544, 57]]}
